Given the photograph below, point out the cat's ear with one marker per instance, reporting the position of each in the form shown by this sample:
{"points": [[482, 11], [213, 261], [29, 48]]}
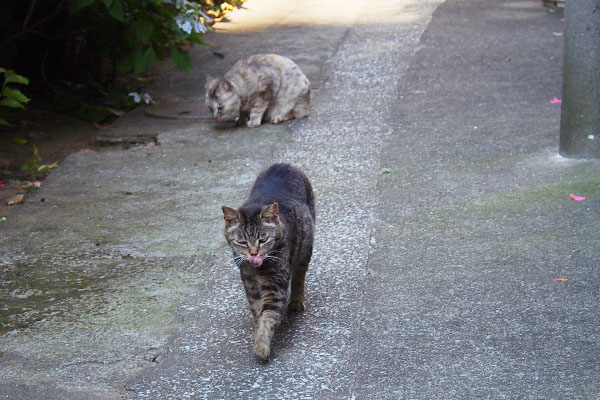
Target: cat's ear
{"points": [[230, 215], [208, 79], [227, 86], [270, 212]]}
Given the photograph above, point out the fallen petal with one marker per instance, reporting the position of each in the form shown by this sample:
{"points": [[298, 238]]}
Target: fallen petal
{"points": [[2, 184], [555, 100], [578, 198], [561, 279], [19, 141], [16, 200], [34, 184]]}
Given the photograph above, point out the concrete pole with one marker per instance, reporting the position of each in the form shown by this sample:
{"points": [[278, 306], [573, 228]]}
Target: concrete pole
{"points": [[580, 112]]}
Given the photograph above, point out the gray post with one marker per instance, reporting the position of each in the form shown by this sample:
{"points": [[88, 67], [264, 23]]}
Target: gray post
{"points": [[580, 112]]}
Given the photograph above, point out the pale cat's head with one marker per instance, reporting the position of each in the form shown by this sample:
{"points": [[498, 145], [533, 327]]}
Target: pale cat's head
{"points": [[222, 100], [253, 232]]}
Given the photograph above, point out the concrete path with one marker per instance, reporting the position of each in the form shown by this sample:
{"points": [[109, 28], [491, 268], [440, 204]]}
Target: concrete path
{"points": [[444, 224]]}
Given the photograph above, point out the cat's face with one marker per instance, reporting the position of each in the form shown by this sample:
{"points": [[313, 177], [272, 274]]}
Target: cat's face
{"points": [[221, 99], [253, 237]]}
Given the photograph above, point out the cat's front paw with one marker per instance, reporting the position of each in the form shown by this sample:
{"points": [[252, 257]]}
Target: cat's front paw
{"points": [[262, 349], [296, 305]]}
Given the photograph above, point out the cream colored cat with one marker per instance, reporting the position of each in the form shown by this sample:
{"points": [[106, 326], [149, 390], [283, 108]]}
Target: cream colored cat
{"points": [[264, 87]]}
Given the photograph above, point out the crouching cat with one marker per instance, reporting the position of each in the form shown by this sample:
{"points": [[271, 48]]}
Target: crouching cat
{"points": [[265, 87], [271, 236]]}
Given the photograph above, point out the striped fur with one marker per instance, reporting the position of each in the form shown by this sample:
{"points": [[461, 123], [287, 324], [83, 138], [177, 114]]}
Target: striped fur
{"points": [[264, 87], [276, 223]]}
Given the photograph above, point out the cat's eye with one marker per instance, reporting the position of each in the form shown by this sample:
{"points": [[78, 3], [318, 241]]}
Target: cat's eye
{"points": [[240, 242], [263, 240]]}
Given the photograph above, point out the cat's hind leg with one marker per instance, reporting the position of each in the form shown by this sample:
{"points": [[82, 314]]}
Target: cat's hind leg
{"points": [[297, 295], [302, 107], [281, 112], [282, 118]]}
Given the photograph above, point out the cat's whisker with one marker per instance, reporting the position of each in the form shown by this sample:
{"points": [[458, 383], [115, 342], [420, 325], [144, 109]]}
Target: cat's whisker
{"points": [[238, 260]]}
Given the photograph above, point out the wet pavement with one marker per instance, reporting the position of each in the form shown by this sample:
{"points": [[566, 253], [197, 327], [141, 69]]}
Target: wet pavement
{"points": [[450, 261]]}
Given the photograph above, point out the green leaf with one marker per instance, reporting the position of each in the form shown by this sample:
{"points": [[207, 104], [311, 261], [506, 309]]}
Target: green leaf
{"points": [[4, 122], [92, 113], [114, 111], [15, 94], [125, 63], [11, 103], [196, 38], [108, 3], [180, 35], [11, 76], [143, 29], [181, 59], [116, 10], [84, 3], [144, 59]]}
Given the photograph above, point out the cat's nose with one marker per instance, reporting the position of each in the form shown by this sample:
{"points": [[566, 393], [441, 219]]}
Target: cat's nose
{"points": [[253, 251]]}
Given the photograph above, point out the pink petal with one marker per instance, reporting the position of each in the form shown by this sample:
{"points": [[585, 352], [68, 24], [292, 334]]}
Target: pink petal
{"points": [[578, 198], [2, 185], [555, 100], [563, 19]]}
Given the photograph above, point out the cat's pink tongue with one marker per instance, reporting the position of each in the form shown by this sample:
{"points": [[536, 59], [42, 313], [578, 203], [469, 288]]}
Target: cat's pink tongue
{"points": [[256, 260]]}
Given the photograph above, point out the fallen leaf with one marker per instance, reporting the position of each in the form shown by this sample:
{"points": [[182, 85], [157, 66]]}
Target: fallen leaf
{"points": [[2, 219], [386, 171], [19, 141], [555, 100], [16, 200], [578, 198], [86, 151], [34, 184], [47, 167], [561, 279], [557, 33]]}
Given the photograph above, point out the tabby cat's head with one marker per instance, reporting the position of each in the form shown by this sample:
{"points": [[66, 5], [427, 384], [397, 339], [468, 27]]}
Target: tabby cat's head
{"points": [[222, 99], [253, 232]]}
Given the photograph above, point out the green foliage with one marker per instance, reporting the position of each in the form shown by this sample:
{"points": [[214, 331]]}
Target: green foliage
{"points": [[9, 96], [83, 48], [32, 164], [141, 31]]}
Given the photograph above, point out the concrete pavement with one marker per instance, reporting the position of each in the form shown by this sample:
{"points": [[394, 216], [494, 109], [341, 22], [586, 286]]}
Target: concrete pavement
{"points": [[443, 219]]}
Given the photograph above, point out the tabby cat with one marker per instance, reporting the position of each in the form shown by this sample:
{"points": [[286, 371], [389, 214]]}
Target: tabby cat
{"points": [[264, 87], [271, 236]]}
